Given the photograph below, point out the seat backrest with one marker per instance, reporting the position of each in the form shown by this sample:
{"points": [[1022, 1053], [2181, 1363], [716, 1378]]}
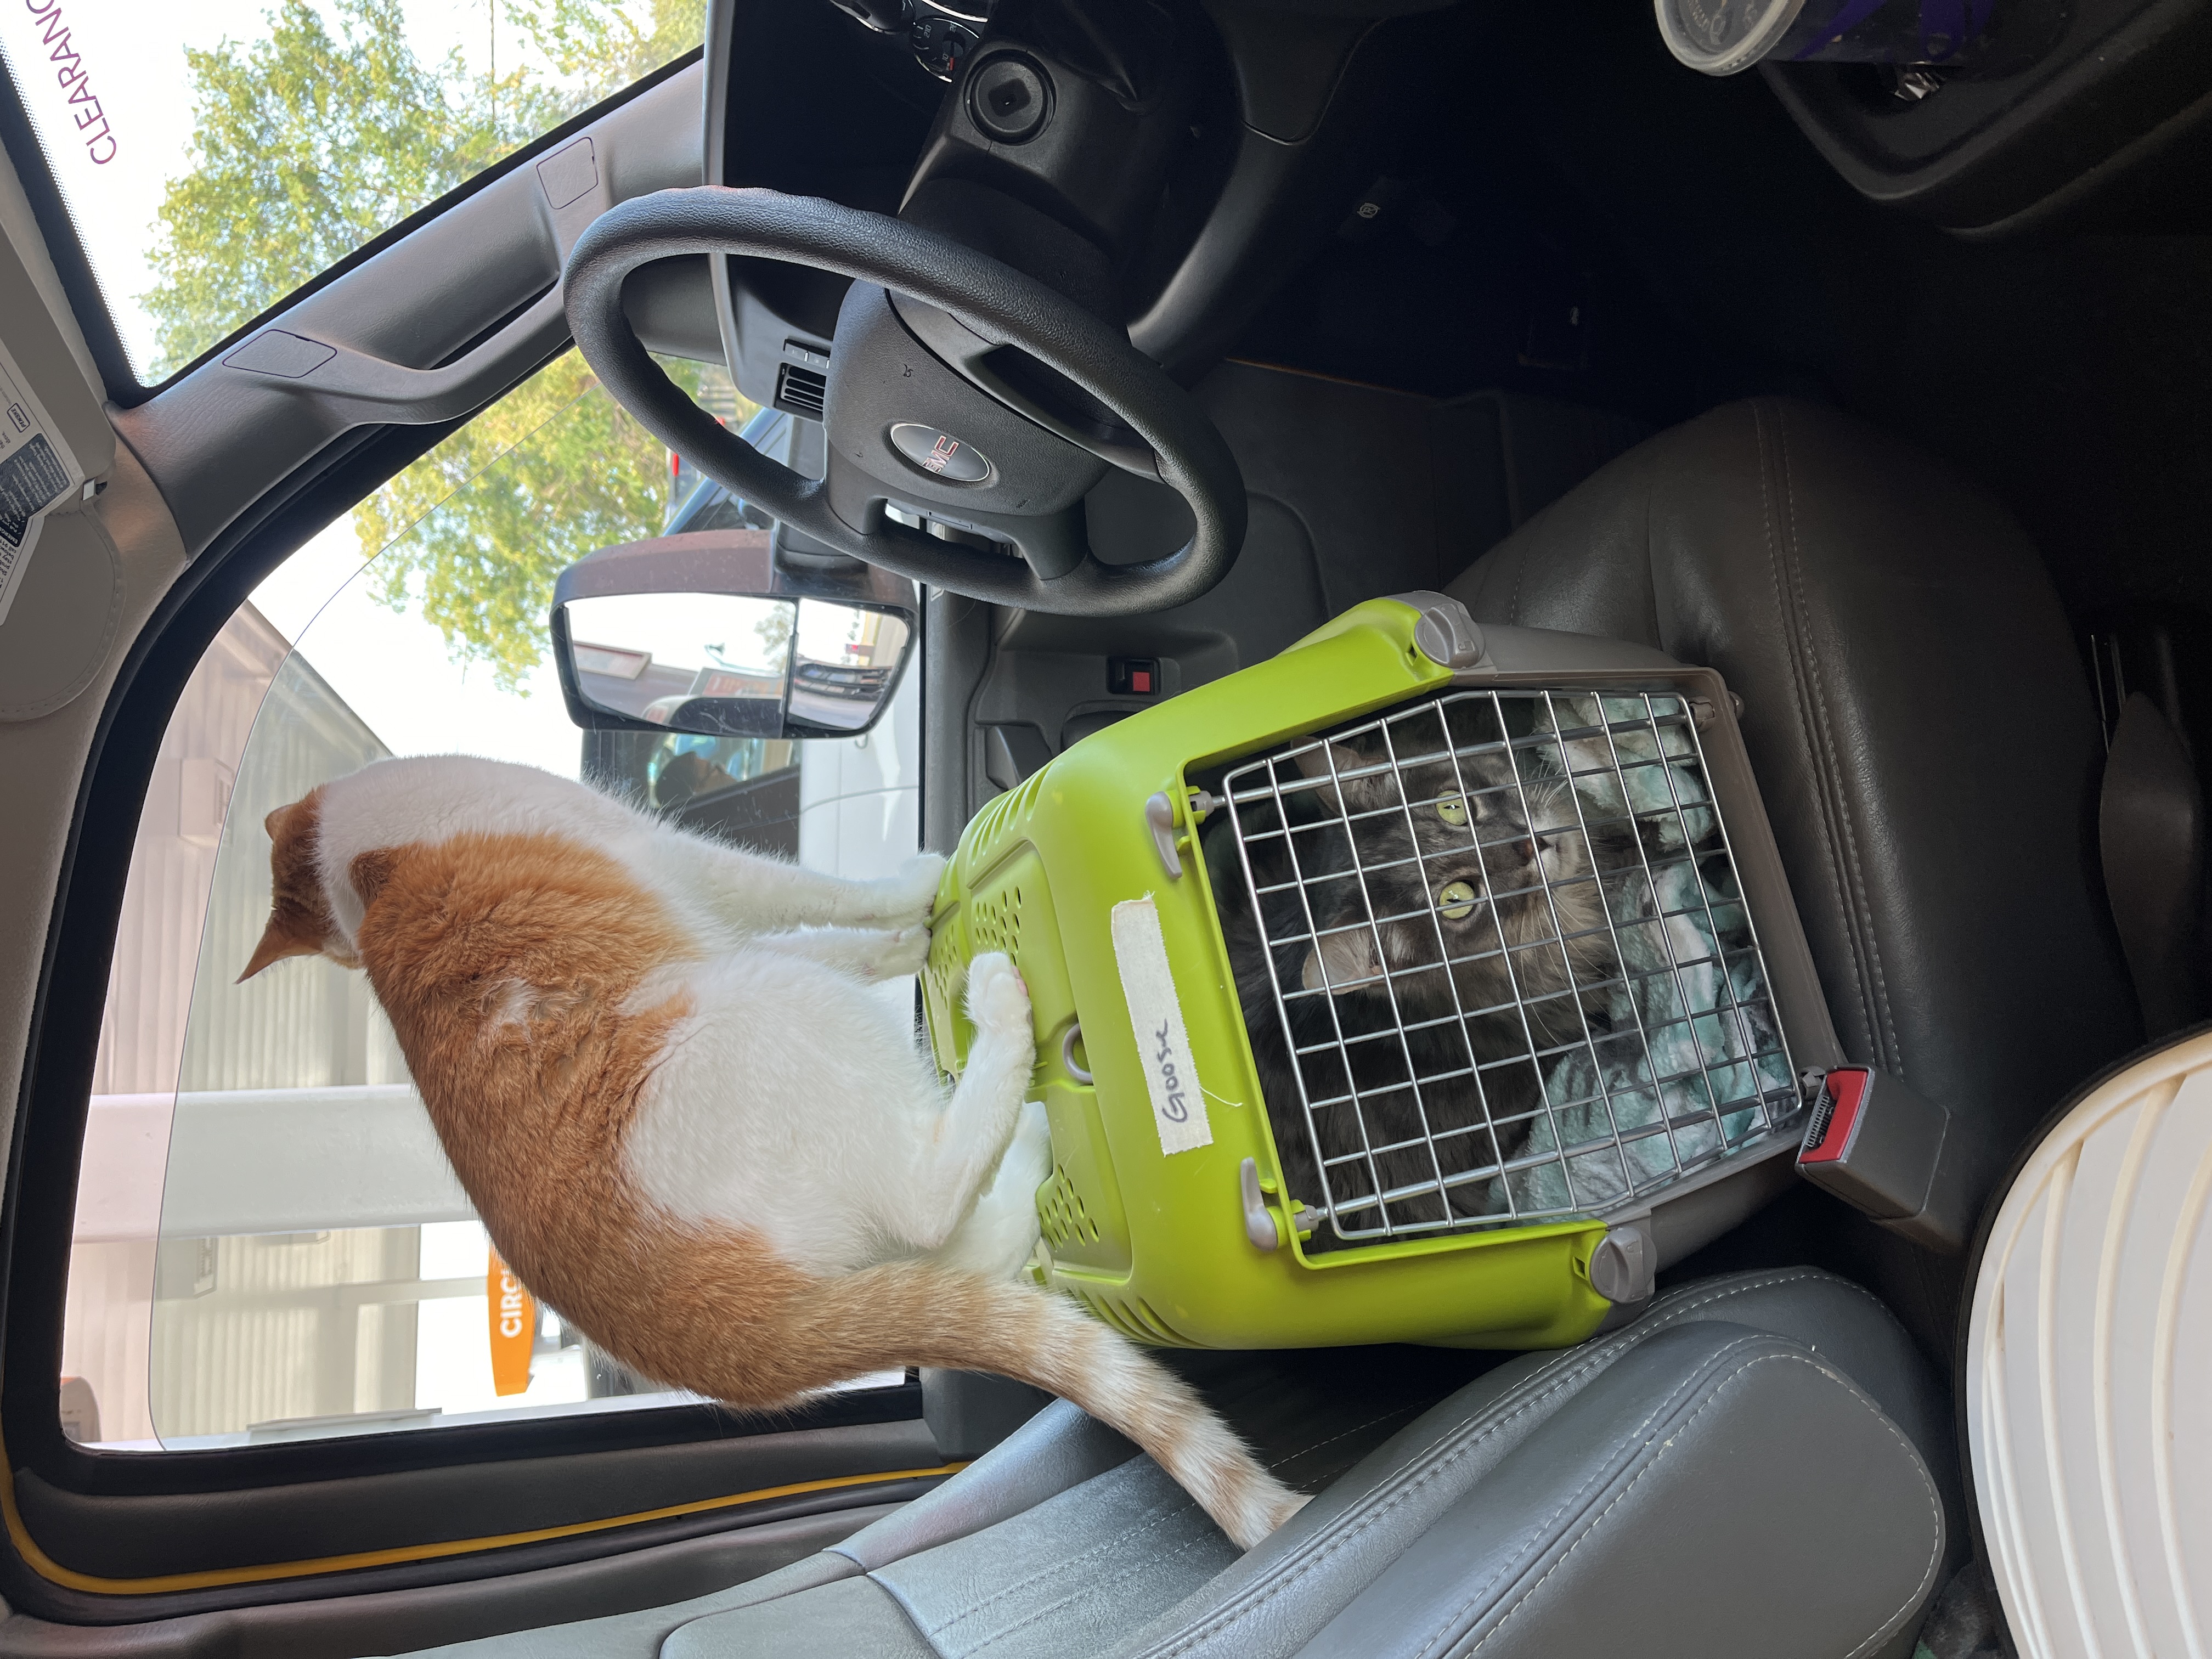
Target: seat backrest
{"points": [[1924, 735]]}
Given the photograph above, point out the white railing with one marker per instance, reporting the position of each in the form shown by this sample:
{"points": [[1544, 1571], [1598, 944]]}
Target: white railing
{"points": [[222, 1163]]}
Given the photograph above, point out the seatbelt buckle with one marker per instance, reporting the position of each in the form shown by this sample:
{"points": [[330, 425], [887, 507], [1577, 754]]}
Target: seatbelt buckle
{"points": [[1892, 1153]]}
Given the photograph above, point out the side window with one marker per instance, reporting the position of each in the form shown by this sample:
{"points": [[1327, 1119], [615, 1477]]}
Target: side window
{"points": [[268, 1243]]}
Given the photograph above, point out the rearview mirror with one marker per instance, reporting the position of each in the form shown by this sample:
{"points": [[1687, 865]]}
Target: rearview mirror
{"points": [[703, 633]]}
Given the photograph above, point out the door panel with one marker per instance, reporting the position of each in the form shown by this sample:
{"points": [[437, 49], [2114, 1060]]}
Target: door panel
{"points": [[152, 1546], [663, 1577]]}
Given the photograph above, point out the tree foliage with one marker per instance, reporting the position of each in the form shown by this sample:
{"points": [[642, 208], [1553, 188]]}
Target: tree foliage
{"points": [[305, 146], [774, 632], [313, 140], [475, 531], [599, 49]]}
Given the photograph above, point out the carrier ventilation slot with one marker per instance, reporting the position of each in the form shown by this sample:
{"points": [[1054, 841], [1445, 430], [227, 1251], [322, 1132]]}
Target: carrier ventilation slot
{"points": [[1133, 1316], [1064, 1220], [995, 923], [1509, 972], [1001, 813], [944, 969], [801, 391]]}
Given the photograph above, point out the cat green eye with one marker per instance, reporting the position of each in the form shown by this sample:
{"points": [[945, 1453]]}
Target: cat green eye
{"points": [[1453, 810], [1456, 901]]}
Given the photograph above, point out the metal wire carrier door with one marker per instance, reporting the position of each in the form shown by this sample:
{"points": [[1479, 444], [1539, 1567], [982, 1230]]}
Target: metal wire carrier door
{"points": [[1512, 970]]}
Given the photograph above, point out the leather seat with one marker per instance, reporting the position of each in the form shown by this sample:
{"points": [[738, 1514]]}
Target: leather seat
{"points": [[1924, 737], [1762, 1461], [1758, 1464]]}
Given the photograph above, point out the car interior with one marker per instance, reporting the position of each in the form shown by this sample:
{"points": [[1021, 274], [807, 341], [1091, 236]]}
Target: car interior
{"points": [[1110, 349]]}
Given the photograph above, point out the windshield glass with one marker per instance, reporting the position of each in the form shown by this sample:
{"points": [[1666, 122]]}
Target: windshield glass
{"points": [[214, 157]]}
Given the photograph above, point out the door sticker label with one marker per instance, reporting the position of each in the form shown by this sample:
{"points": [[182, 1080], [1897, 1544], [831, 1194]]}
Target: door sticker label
{"points": [[1171, 1073], [37, 472]]}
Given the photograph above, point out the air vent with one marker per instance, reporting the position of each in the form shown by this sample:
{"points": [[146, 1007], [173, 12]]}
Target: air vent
{"points": [[801, 391]]}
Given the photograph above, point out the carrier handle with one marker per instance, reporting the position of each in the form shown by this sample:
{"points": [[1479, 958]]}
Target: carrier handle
{"points": [[1067, 1062]]}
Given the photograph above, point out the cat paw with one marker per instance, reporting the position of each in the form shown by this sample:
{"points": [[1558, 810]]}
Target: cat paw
{"points": [[906, 951], [1027, 1163], [907, 899], [997, 1001]]}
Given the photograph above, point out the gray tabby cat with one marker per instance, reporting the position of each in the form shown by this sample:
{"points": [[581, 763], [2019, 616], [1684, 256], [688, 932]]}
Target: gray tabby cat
{"points": [[1461, 943]]}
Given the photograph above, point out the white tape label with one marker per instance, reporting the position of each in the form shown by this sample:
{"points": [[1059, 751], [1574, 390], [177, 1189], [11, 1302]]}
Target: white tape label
{"points": [[1171, 1073]]}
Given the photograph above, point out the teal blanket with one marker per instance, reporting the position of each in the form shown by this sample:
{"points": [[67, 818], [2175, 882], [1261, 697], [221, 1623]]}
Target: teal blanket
{"points": [[1686, 1060]]}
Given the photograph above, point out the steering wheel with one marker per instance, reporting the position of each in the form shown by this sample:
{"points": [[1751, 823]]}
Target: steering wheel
{"points": [[978, 400]]}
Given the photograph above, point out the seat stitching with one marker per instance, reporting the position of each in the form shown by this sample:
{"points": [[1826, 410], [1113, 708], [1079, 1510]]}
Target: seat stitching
{"points": [[1166, 1512], [1831, 863], [1307, 1451], [1468, 1437], [1159, 1517], [1651, 576], [1918, 1464], [1869, 945], [1535, 1538], [1090, 1589], [1669, 1312], [1345, 1536]]}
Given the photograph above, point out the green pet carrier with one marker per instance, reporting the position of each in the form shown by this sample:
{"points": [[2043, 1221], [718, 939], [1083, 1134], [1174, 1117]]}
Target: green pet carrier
{"points": [[1497, 914]]}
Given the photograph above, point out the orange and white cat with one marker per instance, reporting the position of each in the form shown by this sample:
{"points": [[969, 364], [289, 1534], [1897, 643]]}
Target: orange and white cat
{"points": [[687, 1122]]}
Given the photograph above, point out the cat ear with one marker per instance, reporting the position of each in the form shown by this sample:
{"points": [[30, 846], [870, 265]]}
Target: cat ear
{"points": [[297, 926], [1315, 762], [1340, 962], [290, 933], [370, 872], [292, 831]]}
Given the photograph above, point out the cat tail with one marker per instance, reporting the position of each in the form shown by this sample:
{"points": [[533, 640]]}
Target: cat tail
{"points": [[913, 1313]]}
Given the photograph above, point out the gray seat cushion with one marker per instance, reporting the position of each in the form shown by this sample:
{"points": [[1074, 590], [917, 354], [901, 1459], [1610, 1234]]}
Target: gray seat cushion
{"points": [[1088, 1566], [1670, 1467]]}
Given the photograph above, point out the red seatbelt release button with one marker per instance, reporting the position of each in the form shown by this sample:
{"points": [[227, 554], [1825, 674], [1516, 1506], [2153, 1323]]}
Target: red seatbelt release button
{"points": [[1828, 1136]]}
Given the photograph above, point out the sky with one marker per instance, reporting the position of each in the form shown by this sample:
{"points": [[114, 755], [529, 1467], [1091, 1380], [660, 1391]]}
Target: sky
{"points": [[394, 670], [131, 54], [683, 630]]}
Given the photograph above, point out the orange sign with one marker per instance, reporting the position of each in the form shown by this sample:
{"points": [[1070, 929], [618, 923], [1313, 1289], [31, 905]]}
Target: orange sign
{"points": [[514, 1316]]}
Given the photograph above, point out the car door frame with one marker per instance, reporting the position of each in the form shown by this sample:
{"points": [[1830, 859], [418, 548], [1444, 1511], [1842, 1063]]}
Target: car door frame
{"points": [[253, 465]]}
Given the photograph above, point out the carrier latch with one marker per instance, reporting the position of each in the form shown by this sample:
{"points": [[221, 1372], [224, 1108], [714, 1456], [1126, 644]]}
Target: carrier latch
{"points": [[1160, 819], [1259, 1220], [1253, 1192], [1892, 1153], [1623, 1268], [1446, 634]]}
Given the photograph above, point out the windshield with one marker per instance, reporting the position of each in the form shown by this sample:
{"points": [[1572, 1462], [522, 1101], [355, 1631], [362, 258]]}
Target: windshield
{"points": [[214, 157]]}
